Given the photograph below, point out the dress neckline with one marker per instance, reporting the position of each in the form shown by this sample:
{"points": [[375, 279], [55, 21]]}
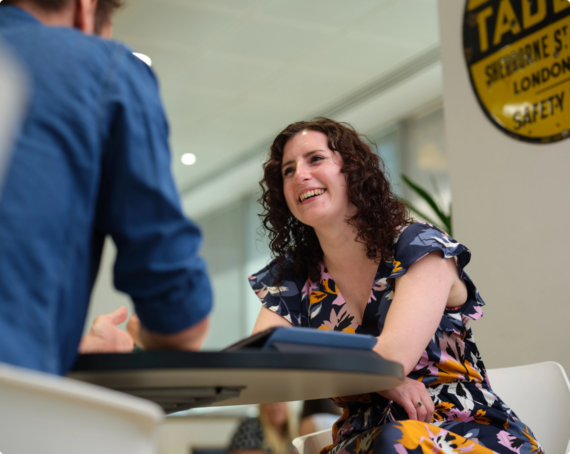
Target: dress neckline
{"points": [[377, 286]]}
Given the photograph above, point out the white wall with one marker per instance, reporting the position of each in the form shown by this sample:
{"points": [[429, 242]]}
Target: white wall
{"points": [[224, 251], [510, 207]]}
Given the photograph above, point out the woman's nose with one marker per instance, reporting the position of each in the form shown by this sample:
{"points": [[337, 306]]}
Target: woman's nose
{"points": [[302, 174]]}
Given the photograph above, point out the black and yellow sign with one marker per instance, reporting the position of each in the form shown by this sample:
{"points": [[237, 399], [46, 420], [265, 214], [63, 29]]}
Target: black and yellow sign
{"points": [[518, 56]]}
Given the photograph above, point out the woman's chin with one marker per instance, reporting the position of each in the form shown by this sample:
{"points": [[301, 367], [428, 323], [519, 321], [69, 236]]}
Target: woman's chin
{"points": [[317, 222]]}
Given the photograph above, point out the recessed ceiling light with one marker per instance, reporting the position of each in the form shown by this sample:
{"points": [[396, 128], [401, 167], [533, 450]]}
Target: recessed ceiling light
{"points": [[188, 159], [144, 58]]}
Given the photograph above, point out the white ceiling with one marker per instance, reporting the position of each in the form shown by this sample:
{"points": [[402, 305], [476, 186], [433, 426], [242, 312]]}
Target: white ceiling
{"points": [[233, 73]]}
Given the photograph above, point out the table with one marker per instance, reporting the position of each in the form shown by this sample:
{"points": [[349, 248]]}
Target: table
{"points": [[181, 380]]}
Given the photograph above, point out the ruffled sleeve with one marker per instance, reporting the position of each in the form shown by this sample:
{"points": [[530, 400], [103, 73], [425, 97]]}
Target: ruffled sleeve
{"points": [[418, 240], [288, 299]]}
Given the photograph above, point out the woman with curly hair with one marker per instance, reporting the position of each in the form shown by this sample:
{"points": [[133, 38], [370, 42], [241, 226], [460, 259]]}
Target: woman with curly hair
{"points": [[347, 258]]}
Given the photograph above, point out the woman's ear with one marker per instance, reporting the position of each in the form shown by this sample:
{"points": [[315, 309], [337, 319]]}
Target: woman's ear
{"points": [[84, 15]]}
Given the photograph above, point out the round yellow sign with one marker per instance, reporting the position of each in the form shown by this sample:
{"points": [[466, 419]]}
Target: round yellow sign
{"points": [[518, 56]]}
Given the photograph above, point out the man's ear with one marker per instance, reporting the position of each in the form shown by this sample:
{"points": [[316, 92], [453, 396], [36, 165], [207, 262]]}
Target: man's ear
{"points": [[84, 15]]}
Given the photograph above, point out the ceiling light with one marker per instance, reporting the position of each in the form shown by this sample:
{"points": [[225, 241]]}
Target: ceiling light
{"points": [[188, 159], [144, 58]]}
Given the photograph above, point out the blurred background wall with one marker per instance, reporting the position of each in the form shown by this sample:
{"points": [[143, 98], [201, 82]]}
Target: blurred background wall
{"points": [[510, 205]]}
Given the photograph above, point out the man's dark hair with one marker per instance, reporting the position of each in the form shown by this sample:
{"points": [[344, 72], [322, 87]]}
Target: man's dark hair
{"points": [[49, 5], [105, 8]]}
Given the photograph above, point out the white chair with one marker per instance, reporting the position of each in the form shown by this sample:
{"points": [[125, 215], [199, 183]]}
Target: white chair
{"points": [[47, 414], [313, 443], [540, 396], [538, 393]]}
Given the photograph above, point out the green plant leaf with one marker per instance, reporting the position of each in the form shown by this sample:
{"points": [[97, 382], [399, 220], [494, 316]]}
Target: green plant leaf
{"points": [[419, 213], [425, 195], [435, 188], [444, 219], [449, 217]]}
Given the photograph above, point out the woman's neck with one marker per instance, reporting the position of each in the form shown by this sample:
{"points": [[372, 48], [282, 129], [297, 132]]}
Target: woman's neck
{"points": [[341, 251]]}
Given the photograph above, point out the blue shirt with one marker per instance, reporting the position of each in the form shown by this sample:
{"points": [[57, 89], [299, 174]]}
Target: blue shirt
{"points": [[92, 160]]}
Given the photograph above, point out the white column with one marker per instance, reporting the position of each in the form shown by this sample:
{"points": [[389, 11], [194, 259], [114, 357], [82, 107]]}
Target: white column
{"points": [[511, 207]]}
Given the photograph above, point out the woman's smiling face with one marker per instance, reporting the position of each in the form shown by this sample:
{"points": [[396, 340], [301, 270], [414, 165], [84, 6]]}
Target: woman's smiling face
{"points": [[314, 187]]}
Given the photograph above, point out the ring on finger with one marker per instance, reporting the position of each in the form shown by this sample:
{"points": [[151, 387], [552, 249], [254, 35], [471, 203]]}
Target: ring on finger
{"points": [[419, 403]]}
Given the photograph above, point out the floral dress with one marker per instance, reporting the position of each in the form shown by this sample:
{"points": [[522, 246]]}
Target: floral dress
{"points": [[469, 417]]}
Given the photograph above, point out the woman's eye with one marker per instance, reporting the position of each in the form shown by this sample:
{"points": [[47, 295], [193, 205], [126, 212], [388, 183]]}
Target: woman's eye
{"points": [[287, 171], [316, 158]]}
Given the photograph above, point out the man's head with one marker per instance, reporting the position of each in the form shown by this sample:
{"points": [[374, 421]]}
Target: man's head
{"points": [[103, 14], [90, 16]]}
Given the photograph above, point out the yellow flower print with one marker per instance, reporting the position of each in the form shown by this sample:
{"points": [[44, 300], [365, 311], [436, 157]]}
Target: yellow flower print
{"points": [[441, 409], [317, 297], [397, 266], [535, 447], [481, 418], [327, 288], [432, 439]]}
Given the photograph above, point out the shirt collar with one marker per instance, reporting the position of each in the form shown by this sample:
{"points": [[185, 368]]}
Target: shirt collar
{"points": [[16, 15]]}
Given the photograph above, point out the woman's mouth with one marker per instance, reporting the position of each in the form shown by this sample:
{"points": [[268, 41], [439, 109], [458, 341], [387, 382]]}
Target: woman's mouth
{"points": [[310, 194]]}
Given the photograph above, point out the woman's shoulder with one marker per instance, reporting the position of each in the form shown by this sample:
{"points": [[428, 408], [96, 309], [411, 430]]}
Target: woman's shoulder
{"points": [[277, 276], [281, 290], [420, 231], [420, 239], [417, 240]]}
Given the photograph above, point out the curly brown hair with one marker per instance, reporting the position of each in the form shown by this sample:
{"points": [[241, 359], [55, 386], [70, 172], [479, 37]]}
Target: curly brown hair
{"points": [[379, 213]]}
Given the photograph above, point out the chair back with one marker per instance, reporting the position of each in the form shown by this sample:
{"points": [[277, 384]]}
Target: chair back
{"points": [[313, 443], [47, 414], [540, 396]]}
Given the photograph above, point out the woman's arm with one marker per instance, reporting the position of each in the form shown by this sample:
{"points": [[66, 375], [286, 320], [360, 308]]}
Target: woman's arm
{"points": [[420, 298], [268, 319]]}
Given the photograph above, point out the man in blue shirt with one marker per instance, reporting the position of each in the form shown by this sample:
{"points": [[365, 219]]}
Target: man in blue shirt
{"points": [[91, 160]]}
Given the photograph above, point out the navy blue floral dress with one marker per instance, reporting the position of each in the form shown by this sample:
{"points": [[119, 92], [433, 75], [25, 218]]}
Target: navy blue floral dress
{"points": [[469, 417]]}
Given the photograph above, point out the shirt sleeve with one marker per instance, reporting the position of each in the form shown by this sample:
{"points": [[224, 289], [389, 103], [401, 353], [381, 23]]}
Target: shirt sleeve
{"points": [[420, 239], [290, 299], [157, 261]]}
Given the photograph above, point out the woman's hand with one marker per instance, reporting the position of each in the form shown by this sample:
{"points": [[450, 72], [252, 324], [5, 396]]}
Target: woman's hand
{"points": [[408, 395]]}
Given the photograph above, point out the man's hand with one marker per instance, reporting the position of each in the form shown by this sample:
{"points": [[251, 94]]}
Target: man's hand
{"points": [[105, 337], [408, 395], [134, 329]]}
